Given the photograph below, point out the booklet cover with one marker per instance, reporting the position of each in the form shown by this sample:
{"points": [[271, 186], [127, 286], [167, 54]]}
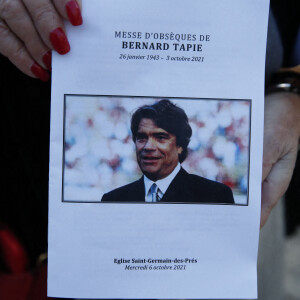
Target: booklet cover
{"points": [[156, 151]]}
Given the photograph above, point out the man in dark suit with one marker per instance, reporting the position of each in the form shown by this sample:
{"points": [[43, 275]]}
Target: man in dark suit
{"points": [[161, 134]]}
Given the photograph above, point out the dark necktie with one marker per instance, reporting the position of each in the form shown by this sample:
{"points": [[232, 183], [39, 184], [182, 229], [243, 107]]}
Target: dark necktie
{"points": [[154, 193]]}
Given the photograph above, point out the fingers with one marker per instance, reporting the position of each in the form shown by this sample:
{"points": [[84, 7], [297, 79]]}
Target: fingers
{"points": [[30, 29], [14, 50], [48, 24], [47, 19], [281, 135], [276, 183], [19, 22], [70, 10]]}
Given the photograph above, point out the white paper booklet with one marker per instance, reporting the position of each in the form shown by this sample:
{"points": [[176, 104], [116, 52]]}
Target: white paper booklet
{"points": [[156, 151]]}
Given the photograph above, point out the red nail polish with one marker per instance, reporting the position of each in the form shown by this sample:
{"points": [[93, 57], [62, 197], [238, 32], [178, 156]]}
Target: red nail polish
{"points": [[59, 41], [47, 60], [74, 13], [39, 72]]}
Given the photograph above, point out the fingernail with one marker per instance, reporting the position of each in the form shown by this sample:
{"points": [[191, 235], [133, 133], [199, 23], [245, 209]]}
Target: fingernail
{"points": [[47, 60], [74, 13], [39, 72], [59, 41]]}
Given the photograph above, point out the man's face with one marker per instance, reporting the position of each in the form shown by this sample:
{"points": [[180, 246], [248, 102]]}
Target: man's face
{"points": [[156, 150]]}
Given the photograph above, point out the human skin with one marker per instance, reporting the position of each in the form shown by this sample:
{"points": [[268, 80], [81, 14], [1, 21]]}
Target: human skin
{"points": [[30, 29], [281, 142], [25, 30], [156, 150]]}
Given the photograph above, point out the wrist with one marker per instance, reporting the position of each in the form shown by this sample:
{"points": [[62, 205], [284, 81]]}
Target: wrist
{"points": [[287, 108], [285, 80]]}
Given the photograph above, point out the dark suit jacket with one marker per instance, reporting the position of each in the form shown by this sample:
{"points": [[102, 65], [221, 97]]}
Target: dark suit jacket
{"points": [[184, 188]]}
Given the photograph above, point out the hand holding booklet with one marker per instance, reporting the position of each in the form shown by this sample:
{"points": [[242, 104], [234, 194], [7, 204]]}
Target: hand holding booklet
{"points": [[156, 151]]}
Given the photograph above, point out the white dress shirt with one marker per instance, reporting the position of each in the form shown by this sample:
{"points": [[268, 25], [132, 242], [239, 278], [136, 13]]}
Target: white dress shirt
{"points": [[162, 184]]}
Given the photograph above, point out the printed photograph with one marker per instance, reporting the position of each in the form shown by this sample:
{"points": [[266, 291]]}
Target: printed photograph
{"points": [[156, 150]]}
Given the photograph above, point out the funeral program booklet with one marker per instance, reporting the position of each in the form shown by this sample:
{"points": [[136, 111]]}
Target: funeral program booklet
{"points": [[156, 151]]}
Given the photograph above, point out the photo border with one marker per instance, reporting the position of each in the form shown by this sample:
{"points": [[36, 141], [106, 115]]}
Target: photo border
{"points": [[153, 97]]}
